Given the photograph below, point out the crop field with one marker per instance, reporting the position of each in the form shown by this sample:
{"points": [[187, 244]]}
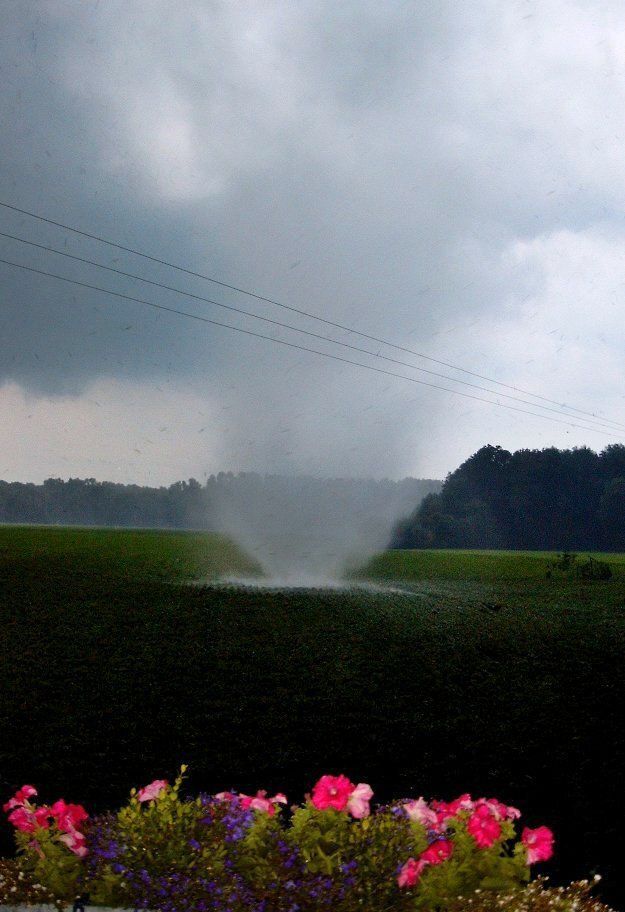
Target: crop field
{"points": [[480, 566], [155, 554], [475, 673]]}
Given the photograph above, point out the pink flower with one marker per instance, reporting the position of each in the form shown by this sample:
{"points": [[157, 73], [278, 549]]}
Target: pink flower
{"points": [[42, 816], [21, 796], [68, 816], [462, 803], [538, 844], [499, 810], [411, 872], [260, 802], [420, 811], [153, 790], [444, 812], [447, 810], [358, 801], [28, 820], [225, 796], [24, 820], [332, 792], [483, 826], [75, 842], [437, 852]]}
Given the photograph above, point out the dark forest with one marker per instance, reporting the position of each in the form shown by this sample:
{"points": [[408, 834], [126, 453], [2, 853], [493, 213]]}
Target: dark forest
{"points": [[546, 499]]}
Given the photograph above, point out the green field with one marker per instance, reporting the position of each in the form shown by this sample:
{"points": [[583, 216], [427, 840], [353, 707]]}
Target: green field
{"points": [[478, 674], [150, 553], [498, 567]]}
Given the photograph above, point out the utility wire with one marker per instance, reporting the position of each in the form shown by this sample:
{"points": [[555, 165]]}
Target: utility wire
{"points": [[289, 326], [302, 313], [314, 351]]}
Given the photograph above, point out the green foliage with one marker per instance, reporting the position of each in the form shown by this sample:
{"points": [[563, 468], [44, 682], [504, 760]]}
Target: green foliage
{"points": [[157, 833], [161, 836], [50, 863], [329, 841], [170, 854], [256, 855], [501, 868], [323, 838]]}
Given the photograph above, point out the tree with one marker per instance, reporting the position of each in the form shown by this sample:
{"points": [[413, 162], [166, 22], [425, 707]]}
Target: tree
{"points": [[534, 499], [611, 514]]}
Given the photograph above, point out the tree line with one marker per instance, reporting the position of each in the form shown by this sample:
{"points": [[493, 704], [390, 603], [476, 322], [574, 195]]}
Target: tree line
{"points": [[547, 499], [191, 505]]}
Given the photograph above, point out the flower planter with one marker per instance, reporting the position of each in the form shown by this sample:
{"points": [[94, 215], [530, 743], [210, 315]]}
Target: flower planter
{"points": [[234, 850]]}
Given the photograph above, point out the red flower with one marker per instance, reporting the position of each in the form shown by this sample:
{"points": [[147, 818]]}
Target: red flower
{"points": [[23, 819], [437, 852], [538, 844], [68, 816], [411, 872], [332, 792], [483, 826], [462, 803], [20, 797], [42, 816], [500, 810]]}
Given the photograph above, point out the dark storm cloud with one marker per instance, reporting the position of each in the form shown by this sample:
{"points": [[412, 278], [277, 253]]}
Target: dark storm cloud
{"points": [[61, 336], [378, 164], [182, 140]]}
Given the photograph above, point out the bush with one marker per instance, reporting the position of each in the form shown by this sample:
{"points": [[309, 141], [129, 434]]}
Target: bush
{"points": [[593, 569], [563, 563], [239, 852]]}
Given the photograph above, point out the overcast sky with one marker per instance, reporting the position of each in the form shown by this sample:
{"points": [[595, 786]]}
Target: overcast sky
{"points": [[447, 176]]}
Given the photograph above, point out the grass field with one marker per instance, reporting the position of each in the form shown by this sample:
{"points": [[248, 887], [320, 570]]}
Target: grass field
{"points": [[154, 554], [482, 675], [477, 566]]}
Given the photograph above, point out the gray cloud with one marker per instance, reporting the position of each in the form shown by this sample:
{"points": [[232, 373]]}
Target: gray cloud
{"points": [[426, 173]]}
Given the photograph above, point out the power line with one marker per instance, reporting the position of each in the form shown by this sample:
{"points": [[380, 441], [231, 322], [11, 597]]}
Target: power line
{"points": [[289, 326], [303, 313], [249, 332]]}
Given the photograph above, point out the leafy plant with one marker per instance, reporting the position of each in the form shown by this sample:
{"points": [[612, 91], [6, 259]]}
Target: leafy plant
{"points": [[50, 842], [563, 562], [238, 852]]}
